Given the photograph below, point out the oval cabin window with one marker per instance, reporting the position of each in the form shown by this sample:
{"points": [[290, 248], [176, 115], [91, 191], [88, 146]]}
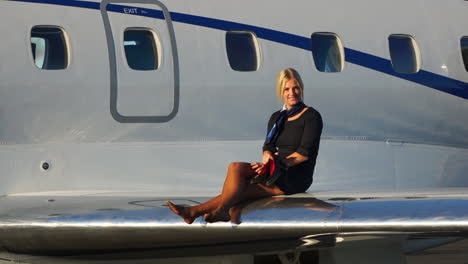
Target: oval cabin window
{"points": [[49, 47], [142, 49], [327, 52], [404, 53], [464, 51], [242, 51]]}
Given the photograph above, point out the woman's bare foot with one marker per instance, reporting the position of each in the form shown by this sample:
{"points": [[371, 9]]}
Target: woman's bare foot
{"points": [[217, 215], [181, 211], [207, 216], [234, 215], [235, 212]]}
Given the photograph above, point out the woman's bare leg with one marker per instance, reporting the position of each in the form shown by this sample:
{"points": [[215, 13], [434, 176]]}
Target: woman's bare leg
{"points": [[189, 214], [236, 188]]}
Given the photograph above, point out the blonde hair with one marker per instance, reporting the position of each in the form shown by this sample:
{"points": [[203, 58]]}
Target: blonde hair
{"points": [[284, 76]]}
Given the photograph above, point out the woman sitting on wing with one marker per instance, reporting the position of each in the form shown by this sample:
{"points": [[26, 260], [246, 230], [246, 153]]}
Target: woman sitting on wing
{"points": [[291, 148]]}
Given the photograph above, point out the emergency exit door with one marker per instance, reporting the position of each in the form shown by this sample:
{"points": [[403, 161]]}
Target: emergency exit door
{"points": [[144, 76]]}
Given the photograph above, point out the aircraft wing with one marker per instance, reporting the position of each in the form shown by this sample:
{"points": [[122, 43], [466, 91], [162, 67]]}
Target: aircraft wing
{"points": [[132, 224]]}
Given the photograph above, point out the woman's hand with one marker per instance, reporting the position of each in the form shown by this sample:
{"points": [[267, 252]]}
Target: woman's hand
{"points": [[267, 155], [257, 167]]}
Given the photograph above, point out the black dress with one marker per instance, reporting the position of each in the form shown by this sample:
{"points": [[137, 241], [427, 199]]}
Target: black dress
{"points": [[301, 135]]}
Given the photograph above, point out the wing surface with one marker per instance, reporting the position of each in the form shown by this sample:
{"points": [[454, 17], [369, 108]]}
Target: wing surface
{"points": [[63, 225]]}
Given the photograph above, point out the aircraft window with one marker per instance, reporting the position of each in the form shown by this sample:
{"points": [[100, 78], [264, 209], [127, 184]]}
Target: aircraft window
{"points": [[404, 53], [49, 47], [142, 49], [242, 50], [464, 49], [327, 51]]}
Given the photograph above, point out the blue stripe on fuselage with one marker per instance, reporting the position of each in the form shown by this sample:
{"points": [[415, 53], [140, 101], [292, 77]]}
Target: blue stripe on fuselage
{"points": [[426, 78]]}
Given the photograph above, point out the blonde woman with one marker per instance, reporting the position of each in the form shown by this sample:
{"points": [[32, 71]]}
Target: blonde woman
{"points": [[288, 162]]}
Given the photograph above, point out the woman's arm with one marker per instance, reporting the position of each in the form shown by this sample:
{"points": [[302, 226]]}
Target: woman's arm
{"points": [[269, 149], [310, 139], [294, 159]]}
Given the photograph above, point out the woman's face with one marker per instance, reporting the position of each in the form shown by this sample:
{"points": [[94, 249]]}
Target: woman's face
{"points": [[291, 93]]}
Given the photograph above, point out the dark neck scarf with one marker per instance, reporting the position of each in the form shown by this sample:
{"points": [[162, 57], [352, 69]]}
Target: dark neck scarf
{"points": [[272, 135]]}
